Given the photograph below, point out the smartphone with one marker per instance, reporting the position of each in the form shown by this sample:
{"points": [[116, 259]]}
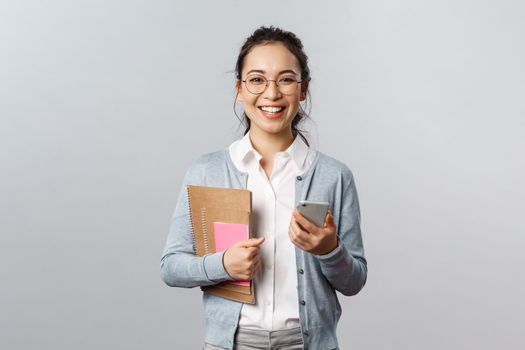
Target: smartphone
{"points": [[315, 212]]}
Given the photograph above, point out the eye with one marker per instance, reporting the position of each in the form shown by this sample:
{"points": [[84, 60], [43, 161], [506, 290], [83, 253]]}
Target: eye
{"points": [[287, 80], [256, 80]]}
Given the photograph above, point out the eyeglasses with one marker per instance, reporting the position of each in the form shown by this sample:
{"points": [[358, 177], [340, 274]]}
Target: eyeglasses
{"points": [[256, 84]]}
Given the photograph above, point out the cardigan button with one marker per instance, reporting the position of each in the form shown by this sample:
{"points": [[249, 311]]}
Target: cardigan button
{"points": [[299, 178], [303, 302], [305, 333], [301, 271]]}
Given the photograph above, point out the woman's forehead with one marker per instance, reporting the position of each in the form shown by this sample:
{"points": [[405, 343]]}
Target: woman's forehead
{"points": [[272, 58]]}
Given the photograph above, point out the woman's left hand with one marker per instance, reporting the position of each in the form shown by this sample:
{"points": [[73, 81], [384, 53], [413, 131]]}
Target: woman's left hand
{"points": [[311, 238]]}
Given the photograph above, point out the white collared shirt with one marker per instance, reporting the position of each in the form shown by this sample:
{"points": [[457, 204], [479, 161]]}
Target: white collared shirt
{"points": [[273, 201]]}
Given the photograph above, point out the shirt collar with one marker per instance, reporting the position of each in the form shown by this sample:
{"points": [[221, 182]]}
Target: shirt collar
{"points": [[245, 148], [297, 151]]}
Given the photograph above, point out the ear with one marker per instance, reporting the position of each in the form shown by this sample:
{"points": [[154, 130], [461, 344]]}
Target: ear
{"points": [[304, 90], [238, 90]]}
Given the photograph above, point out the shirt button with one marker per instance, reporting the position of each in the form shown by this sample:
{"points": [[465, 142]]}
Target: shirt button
{"points": [[303, 302], [269, 266], [301, 271], [299, 178]]}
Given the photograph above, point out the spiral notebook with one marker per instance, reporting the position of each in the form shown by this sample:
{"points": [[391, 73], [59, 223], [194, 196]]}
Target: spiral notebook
{"points": [[212, 211]]}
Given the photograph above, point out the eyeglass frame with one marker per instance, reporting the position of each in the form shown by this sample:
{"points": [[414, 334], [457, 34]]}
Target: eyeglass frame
{"points": [[276, 84]]}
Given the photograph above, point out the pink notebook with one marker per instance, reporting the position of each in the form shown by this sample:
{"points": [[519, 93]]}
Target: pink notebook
{"points": [[227, 235]]}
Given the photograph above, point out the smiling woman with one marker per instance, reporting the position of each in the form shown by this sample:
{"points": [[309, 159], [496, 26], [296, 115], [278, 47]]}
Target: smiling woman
{"points": [[276, 101], [270, 92], [295, 266]]}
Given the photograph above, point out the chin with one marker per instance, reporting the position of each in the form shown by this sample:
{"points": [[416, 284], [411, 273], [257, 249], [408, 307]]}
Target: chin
{"points": [[275, 130]]}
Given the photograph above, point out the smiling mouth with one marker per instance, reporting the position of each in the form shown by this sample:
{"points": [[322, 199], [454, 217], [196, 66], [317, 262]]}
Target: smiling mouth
{"points": [[271, 109]]}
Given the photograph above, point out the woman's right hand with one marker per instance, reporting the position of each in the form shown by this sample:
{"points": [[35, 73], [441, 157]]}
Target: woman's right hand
{"points": [[242, 259]]}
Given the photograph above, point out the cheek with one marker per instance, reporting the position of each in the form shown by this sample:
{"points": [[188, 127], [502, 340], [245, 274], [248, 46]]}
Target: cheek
{"points": [[249, 107], [295, 100], [294, 105], [249, 101]]}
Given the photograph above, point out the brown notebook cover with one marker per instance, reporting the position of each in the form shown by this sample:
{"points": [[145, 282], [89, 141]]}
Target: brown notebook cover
{"points": [[218, 204]]}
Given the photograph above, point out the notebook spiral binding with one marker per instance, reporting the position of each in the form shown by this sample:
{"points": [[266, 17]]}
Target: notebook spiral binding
{"points": [[194, 243], [204, 224]]}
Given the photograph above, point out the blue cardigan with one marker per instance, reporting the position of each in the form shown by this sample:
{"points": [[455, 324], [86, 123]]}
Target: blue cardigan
{"points": [[318, 277]]}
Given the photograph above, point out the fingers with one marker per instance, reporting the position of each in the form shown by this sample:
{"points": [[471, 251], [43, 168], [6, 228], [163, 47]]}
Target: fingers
{"points": [[299, 232], [241, 261], [329, 220], [297, 240], [256, 266], [252, 252], [252, 268], [299, 237], [252, 242], [307, 225]]}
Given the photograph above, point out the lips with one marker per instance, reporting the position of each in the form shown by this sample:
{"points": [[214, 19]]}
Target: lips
{"points": [[272, 112], [271, 109]]}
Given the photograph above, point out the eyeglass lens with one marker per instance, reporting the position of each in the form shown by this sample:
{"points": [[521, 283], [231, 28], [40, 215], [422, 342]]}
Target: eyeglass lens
{"points": [[256, 84]]}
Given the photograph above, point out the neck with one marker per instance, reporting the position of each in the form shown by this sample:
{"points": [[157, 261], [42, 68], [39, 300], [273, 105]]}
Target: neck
{"points": [[269, 144]]}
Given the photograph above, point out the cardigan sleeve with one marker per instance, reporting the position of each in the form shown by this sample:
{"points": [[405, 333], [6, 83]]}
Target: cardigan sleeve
{"points": [[179, 266], [346, 268]]}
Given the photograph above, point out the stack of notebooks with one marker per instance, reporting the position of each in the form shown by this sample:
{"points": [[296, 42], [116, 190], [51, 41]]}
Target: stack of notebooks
{"points": [[220, 217]]}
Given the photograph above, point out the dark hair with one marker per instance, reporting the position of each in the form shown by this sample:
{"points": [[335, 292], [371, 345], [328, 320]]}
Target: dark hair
{"points": [[264, 35]]}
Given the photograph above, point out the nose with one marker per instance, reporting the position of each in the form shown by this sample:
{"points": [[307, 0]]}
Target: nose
{"points": [[272, 90]]}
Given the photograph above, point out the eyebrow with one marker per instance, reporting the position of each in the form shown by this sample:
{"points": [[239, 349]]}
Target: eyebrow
{"points": [[262, 71]]}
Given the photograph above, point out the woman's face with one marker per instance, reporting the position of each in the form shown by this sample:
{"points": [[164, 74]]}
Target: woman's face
{"points": [[273, 61]]}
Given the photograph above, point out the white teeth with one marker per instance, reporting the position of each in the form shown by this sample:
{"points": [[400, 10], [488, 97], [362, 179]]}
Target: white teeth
{"points": [[272, 109]]}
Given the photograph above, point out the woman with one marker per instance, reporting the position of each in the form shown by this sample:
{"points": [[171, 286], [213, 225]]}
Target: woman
{"points": [[296, 266]]}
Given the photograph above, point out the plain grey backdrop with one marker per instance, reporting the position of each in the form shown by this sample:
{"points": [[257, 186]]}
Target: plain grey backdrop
{"points": [[104, 104]]}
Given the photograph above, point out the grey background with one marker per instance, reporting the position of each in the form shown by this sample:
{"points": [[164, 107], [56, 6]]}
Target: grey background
{"points": [[104, 104]]}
